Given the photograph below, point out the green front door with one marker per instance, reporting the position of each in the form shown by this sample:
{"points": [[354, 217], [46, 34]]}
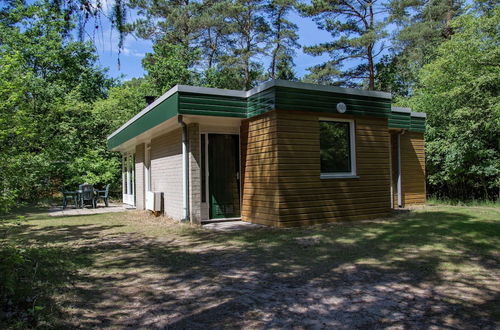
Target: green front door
{"points": [[224, 183]]}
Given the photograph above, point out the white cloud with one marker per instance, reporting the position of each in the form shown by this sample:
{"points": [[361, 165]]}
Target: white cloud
{"points": [[132, 52]]}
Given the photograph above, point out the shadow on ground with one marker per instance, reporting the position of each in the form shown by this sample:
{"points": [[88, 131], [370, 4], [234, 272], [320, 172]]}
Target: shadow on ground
{"points": [[428, 269]]}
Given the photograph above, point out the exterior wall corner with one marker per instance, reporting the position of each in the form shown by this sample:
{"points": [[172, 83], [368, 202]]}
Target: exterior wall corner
{"points": [[194, 173], [139, 176]]}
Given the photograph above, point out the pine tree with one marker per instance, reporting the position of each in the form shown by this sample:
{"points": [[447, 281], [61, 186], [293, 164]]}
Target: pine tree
{"points": [[250, 38], [358, 29], [170, 24], [422, 27], [284, 69], [284, 38], [216, 29]]}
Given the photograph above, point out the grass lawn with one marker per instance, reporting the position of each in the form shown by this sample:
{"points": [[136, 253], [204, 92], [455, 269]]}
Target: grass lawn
{"points": [[438, 266]]}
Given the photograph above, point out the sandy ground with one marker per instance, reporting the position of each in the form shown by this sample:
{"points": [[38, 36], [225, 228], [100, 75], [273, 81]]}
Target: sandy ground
{"points": [[157, 283]]}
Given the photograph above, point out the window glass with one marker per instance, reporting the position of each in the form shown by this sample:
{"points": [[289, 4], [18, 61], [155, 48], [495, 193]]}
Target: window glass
{"points": [[335, 146]]}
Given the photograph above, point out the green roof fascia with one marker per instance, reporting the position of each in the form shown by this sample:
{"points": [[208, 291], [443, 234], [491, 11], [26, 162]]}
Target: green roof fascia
{"points": [[261, 102], [399, 119], [326, 102], [271, 95], [404, 118], [417, 123], [212, 105], [152, 116]]}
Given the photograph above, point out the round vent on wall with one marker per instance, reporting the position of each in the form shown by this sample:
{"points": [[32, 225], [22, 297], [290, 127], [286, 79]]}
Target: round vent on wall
{"points": [[341, 107]]}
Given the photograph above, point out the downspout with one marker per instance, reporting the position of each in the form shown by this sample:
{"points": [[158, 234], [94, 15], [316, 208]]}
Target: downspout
{"points": [[185, 167], [391, 171], [400, 197]]}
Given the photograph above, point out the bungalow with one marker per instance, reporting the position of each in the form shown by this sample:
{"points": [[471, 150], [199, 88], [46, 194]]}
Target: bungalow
{"points": [[282, 154]]}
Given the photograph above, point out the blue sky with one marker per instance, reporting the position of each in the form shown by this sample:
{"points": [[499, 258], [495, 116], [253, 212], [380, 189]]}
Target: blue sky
{"points": [[134, 49]]}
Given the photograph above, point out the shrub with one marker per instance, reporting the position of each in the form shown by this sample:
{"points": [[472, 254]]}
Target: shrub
{"points": [[30, 278]]}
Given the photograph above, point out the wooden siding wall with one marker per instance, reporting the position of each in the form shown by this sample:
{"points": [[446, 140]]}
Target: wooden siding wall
{"points": [[413, 168], [259, 162], [305, 198], [281, 172]]}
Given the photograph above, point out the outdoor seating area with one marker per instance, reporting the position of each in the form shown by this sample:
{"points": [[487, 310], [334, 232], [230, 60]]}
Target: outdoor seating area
{"points": [[86, 194]]}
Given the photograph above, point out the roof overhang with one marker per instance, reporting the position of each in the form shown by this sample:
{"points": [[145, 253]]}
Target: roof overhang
{"points": [[418, 114], [246, 94], [409, 112]]}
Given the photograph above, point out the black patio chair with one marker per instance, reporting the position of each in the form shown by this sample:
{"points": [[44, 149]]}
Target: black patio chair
{"points": [[104, 195], [69, 196], [87, 195]]}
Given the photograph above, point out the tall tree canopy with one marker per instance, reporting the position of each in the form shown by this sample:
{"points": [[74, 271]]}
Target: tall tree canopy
{"points": [[58, 105], [283, 39], [460, 91], [357, 29], [422, 27], [250, 37], [48, 83]]}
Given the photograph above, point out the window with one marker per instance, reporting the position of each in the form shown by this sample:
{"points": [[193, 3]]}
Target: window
{"points": [[337, 148]]}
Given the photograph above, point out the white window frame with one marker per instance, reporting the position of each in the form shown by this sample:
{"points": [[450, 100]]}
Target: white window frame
{"points": [[352, 138], [129, 193]]}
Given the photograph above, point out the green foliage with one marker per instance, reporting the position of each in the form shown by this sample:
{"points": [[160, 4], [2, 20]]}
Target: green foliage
{"points": [[459, 90], [394, 75], [249, 40], [443, 200], [283, 39], [284, 69], [422, 27], [94, 167], [169, 65], [221, 76], [58, 106], [30, 276], [121, 104], [215, 32], [211, 43], [357, 29], [175, 28], [48, 126]]}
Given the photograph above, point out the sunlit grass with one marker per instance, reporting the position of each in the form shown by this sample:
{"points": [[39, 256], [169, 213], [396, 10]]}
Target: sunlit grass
{"points": [[432, 242]]}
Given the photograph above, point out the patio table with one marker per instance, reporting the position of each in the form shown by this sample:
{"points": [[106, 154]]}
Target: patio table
{"points": [[70, 195], [86, 195]]}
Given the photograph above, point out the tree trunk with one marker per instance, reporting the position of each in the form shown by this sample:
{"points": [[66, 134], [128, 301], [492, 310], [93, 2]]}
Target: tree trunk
{"points": [[371, 69], [278, 45], [448, 30], [212, 51], [247, 61], [371, 76]]}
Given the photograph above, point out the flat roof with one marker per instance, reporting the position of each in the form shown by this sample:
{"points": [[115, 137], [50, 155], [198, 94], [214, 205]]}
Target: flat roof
{"points": [[401, 109], [408, 111], [245, 94]]}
